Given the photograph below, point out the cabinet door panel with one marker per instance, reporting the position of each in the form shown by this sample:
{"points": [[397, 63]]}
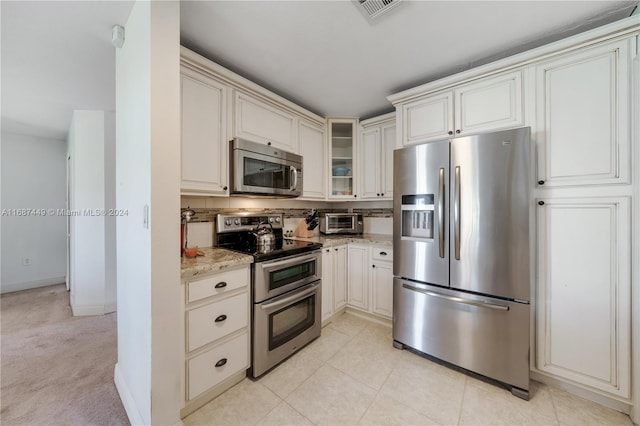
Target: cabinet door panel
{"points": [[583, 105], [202, 372], [213, 321], [327, 283], [204, 153], [584, 289], [340, 277], [343, 164], [357, 294], [490, 104], [388, 134], [382, 282], [430, 118], [370, 152], [260, 122], [312, 149]]}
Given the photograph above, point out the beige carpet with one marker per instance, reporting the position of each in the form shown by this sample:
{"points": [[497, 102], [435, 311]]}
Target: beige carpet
{"points": [[56, 369]]}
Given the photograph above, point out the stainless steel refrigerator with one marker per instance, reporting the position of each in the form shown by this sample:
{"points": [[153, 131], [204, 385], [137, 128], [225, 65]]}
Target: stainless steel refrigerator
{"points": [[461, 259]]}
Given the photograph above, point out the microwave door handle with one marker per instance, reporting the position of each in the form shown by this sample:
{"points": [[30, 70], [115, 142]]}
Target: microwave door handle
{"points": [[294, 172]]}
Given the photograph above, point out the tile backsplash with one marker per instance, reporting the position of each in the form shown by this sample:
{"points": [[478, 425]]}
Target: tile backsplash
{"points": [[376, 220]]}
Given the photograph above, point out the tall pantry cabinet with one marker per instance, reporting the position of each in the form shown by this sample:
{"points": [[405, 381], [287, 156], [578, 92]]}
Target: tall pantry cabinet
{"points": [[577, 96], [583, 117]]}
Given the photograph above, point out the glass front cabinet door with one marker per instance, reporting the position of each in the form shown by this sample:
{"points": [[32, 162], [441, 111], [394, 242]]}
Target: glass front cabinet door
{"points": [[342, 151]]}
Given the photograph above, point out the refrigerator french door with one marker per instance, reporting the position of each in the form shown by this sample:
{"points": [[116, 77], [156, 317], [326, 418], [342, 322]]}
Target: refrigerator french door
{"points": [[461, 253]]}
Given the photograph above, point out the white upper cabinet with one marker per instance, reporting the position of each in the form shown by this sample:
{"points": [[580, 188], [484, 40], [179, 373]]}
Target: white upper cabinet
{"points": [[313, 150], [489, 103], [377, 143], [204, 141], [428, 118], [342, 158], [370, 161], [583, 117], [261, 122], [218, 105]]}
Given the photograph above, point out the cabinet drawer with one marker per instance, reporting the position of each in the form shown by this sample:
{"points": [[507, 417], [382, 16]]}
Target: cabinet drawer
{"points": [[217, 284], [202, 372], [382, 253], [211, 322]]}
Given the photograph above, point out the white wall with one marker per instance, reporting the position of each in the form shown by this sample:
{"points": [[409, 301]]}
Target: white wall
{"points": [[150, 343], [33, 177], [87, 182]]}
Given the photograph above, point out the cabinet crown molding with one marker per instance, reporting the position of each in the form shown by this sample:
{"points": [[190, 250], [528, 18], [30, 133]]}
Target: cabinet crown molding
{"points": [[199, 63], [378, 119], [619, 29]]}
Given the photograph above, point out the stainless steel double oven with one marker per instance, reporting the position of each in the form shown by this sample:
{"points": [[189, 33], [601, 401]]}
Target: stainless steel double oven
{"points": [[286, 288]]}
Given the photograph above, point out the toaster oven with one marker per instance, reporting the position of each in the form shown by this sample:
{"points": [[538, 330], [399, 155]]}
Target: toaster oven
{"points": [[341, 223]]}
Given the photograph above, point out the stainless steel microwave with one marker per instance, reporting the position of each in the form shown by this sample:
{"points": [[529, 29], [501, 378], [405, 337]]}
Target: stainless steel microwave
{"points": [[341, 223], [263, 170]]}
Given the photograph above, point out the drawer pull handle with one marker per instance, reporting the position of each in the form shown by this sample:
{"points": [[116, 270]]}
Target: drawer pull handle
{"points": [[222, 362], [383, 253], [221, 284], [221, 318]]}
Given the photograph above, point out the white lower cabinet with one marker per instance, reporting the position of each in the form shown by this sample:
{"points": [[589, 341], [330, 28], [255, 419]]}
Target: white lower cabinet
{"points": [[584, 290], [382, 281], [334, 280], [216, 365], [358, 283], [217, 318], [370, 287]]}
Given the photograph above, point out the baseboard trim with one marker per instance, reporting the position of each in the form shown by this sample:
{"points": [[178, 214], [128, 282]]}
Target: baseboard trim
{"points": [[87, 310], [125, 396], [623, 407], [10, 288], [368, 316], [110, 307]]}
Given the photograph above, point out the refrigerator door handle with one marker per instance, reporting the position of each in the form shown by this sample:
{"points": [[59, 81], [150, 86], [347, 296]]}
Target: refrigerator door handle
{"points": [[456, 213], [457, 299], [441, 212]]}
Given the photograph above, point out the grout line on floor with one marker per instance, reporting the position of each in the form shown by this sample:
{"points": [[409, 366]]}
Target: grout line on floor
{"points": [[553, 404], [464, 391]]}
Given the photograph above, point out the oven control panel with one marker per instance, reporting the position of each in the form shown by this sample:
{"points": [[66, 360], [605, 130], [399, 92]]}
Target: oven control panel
{"points": [[247, 221]]}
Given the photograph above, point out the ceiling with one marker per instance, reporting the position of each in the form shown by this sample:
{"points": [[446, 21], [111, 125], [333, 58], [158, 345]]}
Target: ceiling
{"points": [[324, 55]]}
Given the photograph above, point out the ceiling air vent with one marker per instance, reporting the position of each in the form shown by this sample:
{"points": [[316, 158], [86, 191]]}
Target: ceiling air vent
{"points": [[373, 9]]}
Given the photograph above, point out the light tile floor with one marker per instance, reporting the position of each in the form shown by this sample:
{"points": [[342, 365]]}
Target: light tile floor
{"points": [[352, 375]]}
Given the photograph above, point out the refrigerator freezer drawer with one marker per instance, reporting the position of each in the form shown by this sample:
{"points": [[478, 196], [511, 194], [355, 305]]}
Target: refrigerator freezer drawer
{"points": [[485, 335]]}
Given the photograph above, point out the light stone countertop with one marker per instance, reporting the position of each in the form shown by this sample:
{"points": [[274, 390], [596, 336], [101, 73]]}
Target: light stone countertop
{"points": [[214, 259], [337, 240]]}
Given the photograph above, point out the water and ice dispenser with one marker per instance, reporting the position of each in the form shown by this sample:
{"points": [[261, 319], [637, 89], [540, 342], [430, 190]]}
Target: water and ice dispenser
{"points": [[417, 216]]}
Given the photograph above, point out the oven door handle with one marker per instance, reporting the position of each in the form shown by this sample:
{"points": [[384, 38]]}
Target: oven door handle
{"points": [[280, 302], [289, 261]]}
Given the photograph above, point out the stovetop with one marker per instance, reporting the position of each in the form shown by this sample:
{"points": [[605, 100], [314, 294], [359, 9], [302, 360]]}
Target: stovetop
{"points": [[245, 243], [236, 232]]}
